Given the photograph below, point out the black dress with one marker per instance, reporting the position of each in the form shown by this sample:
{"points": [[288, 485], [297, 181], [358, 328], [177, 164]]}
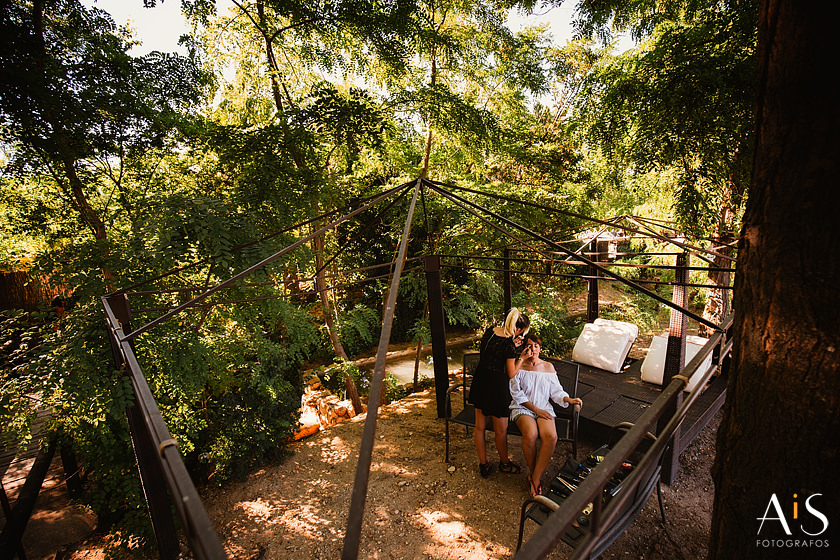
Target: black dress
{"points": [[490, 389]]}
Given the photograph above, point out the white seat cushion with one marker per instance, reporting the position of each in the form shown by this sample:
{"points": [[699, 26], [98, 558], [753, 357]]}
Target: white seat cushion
{"points": [[604, 345], [629, 327], [653, 368]]}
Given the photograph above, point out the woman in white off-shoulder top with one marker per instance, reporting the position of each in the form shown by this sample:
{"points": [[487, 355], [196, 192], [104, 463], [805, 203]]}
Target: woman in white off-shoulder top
{"points": [[531, 389]]}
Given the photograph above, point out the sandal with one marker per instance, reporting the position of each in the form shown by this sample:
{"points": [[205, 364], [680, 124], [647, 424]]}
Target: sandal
{"points": [[534, 489], [510, 467], [485, 469]]}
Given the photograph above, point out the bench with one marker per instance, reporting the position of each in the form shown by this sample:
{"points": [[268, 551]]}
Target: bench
{"points": [[566, 418]]}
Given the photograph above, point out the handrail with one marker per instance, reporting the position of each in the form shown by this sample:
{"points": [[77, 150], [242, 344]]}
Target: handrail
{"points": [[591, 489], [200, 533]]}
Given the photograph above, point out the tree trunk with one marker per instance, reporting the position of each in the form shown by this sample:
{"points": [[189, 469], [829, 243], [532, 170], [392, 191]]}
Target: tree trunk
{"points": [[775, 472], [321, 287], [427, 150], [419, 350], [62, 152], [271, 61], [717, 302], [338, 348]]}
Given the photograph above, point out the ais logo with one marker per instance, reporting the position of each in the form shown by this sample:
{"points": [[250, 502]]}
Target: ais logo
{"points": [[797, 528]]}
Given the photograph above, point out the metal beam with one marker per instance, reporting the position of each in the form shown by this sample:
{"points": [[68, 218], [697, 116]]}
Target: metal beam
{"points": [[506, 283], [259, 265], [437, 323], [674, 362], [195, 522], [462, 202], [353, 533]]}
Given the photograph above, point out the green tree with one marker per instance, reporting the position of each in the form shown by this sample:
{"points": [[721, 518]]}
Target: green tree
{"points": [[73, 101], [681, 102], [100, 172], [295, 37]]}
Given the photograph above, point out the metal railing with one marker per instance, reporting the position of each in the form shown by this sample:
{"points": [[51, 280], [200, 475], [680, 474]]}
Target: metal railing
{"points": [[164, 476], [591, 489]]}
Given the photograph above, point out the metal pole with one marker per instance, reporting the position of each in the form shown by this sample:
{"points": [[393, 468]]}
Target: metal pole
{"points": [[353, 534], [437, 324], [506, 283], [592, 295], [674, 363], [163, 450], [464, 203], [232, 280]]}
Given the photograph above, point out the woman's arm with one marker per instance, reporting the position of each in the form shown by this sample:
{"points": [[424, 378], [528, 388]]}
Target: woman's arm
{"points": [[558, 394], [517, 393], [512, 364]]}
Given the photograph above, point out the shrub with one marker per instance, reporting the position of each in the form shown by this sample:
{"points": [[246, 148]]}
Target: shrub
{"points": [[359, 328], [334, 376]]}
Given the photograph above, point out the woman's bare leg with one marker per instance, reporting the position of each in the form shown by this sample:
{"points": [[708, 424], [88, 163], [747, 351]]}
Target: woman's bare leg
{"points": [[548, 435], [530, 433], [478, 436], [500, 427]]}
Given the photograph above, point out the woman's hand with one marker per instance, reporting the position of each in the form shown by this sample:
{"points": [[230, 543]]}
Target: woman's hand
{"points": [[527, 352], [575, 401], [544, 414]]}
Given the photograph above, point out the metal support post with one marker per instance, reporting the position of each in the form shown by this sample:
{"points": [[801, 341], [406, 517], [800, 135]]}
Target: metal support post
{"points": [[506, 283], [674, 362], [437, 324], [592, 297], [145, 453]]}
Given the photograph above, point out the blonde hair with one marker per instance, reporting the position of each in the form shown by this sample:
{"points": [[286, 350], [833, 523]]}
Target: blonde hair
{"points": [[516, 320]]}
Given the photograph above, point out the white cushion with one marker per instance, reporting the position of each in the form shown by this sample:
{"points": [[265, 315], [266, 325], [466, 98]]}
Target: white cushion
{"points": [[604, 345], [629, 327], [653, 368]]}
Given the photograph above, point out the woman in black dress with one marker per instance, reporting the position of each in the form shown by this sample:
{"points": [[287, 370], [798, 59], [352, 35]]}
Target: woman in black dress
{"points": [[490, 389]]}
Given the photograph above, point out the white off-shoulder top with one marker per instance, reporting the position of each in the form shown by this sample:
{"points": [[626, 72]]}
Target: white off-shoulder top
{"points": [[537, 387]]}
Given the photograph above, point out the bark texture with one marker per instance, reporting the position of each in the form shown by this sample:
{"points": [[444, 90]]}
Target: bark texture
{"points": [[781, 425]]}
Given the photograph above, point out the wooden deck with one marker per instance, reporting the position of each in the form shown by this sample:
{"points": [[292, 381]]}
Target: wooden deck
{"points": [[612, 398]]}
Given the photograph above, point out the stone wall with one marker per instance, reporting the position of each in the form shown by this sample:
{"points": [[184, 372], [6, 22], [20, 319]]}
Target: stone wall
{"points": [[321, 409]]}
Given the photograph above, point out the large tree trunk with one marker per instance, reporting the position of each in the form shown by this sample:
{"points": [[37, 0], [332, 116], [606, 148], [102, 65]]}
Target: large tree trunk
{"points": [[427, 149], [776, 470], [273, 69], [61, 154]]}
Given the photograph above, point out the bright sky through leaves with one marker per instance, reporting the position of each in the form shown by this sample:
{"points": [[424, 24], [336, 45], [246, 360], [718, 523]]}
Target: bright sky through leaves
{"points": [[159, 28]]}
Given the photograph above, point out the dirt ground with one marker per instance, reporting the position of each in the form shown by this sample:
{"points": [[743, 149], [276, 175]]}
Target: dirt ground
{"points": [[418, 506]]}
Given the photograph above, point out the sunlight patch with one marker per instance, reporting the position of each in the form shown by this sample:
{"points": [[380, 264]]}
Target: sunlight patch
{"points": [[443, 527], [308, 522], [257, 509], [335, 451]]}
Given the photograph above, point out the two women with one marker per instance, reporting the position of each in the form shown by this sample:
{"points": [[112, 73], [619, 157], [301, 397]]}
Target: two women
{"points": [[518, 386]]}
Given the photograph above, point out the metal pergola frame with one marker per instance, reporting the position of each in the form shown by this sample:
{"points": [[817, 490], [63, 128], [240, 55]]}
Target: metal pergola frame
{"points": [[160, 464]]}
